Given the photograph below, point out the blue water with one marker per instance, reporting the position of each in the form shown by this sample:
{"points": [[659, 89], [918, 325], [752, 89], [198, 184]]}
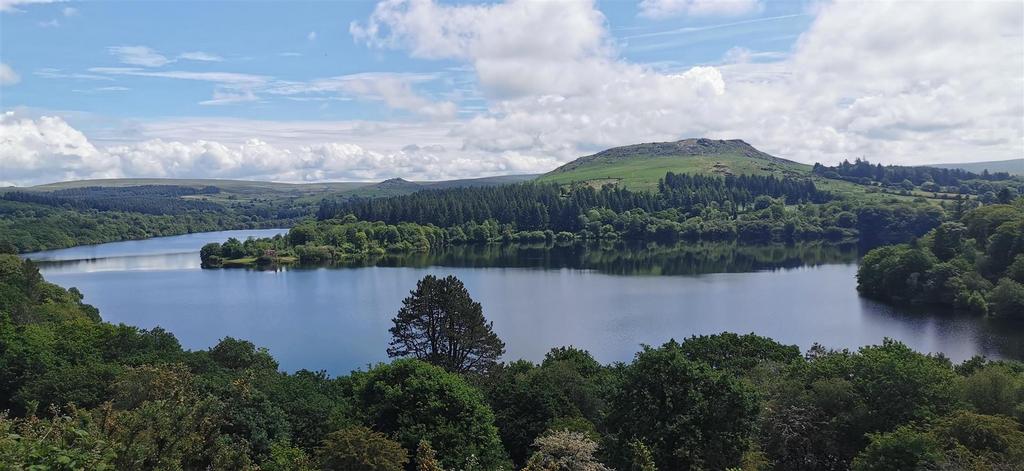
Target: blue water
{"points": [[337, 319]]}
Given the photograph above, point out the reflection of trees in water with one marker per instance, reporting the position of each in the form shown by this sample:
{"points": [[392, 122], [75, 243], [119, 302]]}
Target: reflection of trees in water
{"points": [[991, 337], [627, 258]]}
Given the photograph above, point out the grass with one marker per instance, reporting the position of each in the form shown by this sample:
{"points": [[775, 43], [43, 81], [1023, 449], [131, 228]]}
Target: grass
{"points": [[643, 173]]}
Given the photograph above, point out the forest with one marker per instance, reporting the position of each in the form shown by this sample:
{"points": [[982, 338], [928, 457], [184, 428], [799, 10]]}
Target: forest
{"points": [[86, 394], [749, 209], [551, 206], [975, 264], [989, 187], [37, 220], [146, 199]]}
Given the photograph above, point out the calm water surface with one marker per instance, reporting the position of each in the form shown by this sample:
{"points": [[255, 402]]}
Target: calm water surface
{"points": [[606, 301]]}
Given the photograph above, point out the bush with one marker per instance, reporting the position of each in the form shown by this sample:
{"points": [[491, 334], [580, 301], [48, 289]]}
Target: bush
{"points": [[361, 449]]}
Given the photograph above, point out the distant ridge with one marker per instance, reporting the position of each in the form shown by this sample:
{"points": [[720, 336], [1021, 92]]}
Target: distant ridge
{"points": [[1012, 166]]}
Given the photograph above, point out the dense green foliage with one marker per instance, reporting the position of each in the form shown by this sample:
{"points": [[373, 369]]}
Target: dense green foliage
{"points": [[989, 187], [752, 209], [146, 199], [550, 206], [327, 241], [37, 220], [26, 227], [975, 264], [85, 394]]}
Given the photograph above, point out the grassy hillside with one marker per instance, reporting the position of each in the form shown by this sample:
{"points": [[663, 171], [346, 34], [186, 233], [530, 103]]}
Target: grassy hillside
{"points": [[640, 166], [1012, 166]]}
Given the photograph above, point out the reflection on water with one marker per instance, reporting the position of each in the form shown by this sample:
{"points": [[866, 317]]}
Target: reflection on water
{"points": [[627, 259], [607, 300]]}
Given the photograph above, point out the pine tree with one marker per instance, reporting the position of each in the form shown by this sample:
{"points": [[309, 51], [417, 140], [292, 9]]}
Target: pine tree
{"points": [[441, 324]]}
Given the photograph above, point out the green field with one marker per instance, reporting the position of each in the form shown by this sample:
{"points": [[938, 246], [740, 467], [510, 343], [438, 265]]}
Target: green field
{"points": [[640, 166], [643, 173]]}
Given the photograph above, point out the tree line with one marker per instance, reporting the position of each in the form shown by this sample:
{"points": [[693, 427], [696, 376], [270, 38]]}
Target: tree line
{"points": [[33, 221], [344, 239], [146, 199], [993, 187], [539, 206], [86, 394], [975, 264]]}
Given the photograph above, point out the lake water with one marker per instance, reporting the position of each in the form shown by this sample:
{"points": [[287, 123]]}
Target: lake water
{"points": [[608, 301]]}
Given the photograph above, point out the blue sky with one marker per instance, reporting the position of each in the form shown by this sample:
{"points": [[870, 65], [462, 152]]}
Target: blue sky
{"points": [[363, 90], [57, 61]]}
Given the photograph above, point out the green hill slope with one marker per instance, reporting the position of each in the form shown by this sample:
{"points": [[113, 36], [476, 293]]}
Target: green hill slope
{"points": [[640, 166]]}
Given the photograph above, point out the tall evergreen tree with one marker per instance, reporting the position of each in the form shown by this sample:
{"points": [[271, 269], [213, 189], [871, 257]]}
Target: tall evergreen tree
{"points": [[441, 324]]}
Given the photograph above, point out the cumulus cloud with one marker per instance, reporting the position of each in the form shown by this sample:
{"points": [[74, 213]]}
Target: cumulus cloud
{"points": [[48, 146], [895, 81], [517, 48], [47, 149], [8, 76], [659, 9]]}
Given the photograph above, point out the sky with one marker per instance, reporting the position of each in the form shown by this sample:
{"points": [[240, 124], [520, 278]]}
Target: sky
{"points": [[430, 90]]}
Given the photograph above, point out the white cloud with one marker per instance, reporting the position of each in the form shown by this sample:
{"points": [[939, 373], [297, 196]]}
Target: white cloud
{"points": [[200, 56], [48, 149], [395, 90], [893, 81], [8, 76], [516, 48], [227, 97], [659, 9], [49, 24], [52, 73], [12, 5], [218, 77], [68, 12], [139, 55], [897, 82]]}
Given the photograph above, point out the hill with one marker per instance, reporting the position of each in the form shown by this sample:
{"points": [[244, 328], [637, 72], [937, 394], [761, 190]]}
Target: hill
{"points": [[640, 166], [1012, 166], [265, 189], [232, 186]]}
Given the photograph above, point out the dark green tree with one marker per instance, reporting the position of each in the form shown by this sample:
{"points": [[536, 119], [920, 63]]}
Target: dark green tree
{"points": [[412, 401], [693, 416], [1007, 299], [441, 324]]}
